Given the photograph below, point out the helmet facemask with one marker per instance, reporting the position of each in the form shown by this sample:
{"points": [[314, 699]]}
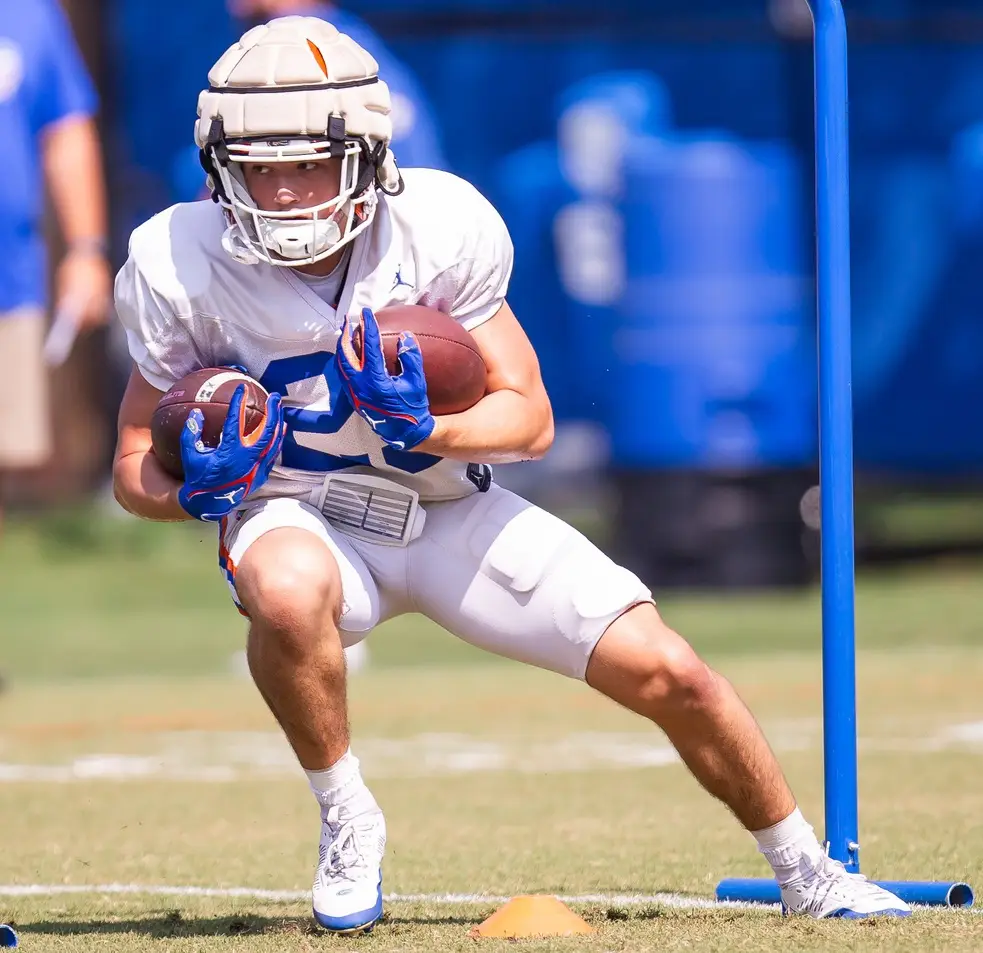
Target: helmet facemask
{"points": [[297, 236]]}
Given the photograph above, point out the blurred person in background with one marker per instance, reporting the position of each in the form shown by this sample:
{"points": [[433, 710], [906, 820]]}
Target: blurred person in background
{"points": [[415, 134], [48, 138]]}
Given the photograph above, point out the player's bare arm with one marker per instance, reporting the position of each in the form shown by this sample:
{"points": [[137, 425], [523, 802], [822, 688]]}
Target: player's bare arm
{"points": [[139, 482], [514, 420]]}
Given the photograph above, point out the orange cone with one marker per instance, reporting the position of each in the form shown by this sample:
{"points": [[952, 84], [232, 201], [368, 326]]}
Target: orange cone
{"points": [[531, 916]]}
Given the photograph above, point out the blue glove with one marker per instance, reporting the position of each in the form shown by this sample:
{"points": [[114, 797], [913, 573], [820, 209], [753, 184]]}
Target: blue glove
{"points": [[396, 408], [217, 481]]}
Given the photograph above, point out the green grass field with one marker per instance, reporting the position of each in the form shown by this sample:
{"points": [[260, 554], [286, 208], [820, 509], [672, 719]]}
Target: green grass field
{"points": [[132, 753]]}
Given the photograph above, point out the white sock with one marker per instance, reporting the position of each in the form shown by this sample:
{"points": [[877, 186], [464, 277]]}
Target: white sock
{"points": [[790, 846], [341, 784]]}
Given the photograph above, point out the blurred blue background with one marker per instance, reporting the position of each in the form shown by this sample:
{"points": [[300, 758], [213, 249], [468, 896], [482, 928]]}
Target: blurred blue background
{"points": [[654, 162], [665, 236]]}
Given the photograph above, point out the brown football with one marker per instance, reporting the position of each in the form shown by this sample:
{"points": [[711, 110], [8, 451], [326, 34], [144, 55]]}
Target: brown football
{"points": [[453, 365], [210, 390]]}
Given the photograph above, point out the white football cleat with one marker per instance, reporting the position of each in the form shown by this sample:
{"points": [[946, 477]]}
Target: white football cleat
{"points": [[347, 893], [828, 890]]}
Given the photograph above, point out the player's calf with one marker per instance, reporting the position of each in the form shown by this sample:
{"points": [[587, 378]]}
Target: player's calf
{"points": [[645, 666], [290, 586]]}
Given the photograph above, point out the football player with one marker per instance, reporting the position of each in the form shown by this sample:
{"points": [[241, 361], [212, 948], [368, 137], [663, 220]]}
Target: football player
{"points": [[313, 228]]}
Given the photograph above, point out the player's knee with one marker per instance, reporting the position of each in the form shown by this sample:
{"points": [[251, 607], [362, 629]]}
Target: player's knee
{"points": [[294, 590], [643, 664], [674, 678]]}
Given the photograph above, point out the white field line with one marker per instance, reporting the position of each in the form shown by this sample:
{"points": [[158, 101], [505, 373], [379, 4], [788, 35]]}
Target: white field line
{"points": [[230, 756], [233, 756], [675, 900]]}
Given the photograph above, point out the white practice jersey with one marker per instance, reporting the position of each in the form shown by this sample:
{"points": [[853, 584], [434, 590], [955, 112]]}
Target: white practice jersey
{"points": [[185, 304]]}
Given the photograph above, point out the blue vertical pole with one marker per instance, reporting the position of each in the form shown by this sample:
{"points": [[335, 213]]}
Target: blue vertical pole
{"points": [[836, 432], [836, 481]]}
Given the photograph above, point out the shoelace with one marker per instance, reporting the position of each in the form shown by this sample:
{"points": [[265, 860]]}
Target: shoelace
{"points": [[343, 855], [832, 877]]}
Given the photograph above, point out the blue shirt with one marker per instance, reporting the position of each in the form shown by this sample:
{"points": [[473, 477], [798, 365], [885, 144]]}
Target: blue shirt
{"points": [[42, 80]]}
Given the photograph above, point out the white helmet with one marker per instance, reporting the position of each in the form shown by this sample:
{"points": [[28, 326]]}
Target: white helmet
{"points": [[296, 90]]}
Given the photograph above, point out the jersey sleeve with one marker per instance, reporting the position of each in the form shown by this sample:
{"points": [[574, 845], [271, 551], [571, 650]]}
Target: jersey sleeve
{"points": [[158, 338], [481, 275]]}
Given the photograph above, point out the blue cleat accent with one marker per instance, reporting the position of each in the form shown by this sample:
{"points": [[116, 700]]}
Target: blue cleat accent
{"points": [[853, 915], [360, 922]]}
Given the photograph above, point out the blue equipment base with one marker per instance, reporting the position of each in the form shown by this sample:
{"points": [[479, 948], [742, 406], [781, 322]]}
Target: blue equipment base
{"points": [[922, 892]]}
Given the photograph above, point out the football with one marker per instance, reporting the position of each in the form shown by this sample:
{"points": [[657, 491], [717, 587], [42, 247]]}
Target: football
{"points": [[210, 390], [453, 365]]}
